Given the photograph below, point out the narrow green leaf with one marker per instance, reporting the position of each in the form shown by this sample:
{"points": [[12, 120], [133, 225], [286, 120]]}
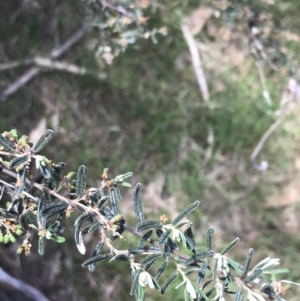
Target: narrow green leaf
{"points": [[237, 296], [192, 270], [79, 221], [186, 295], [41, 218], [185, 212], [164, 236], [200, 291], [14, 205], [161, 270], [173, 246], [107, 212], [41, 247], [96, 252], [276, 271], [121, 178], [141, 293], [114, 201], [167, 252], [202, 272], [95, 226], [255, 274], [97, 259], [52, 228], [53, 208], [149, 225], [81, 180], [23, 221], [77, 233], [198, 256], [117, 193], [180, 224], [137, 203], [79, 238], [189, 235], [159, 232], [137, 250], [45, 172], [230, 246], [248, 261], [58, 239], [94, 200], [209, 237], [43, 141], [211, 291], [135, 283], [17, 161], [98, 248], [9, 146], [121, 257], [145, 237], [149, 260], [167, 283], [235, 266], [156, 285], [31, 217]]}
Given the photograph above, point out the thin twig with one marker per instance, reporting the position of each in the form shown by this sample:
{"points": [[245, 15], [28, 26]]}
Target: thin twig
{"points": [[266, 93], [50, 64], [263, 165], [19, 82], [34, 71], [120, 9], [15, 64], [196, 61], [62, 66], [294, 91], [24, 192], [74, 39]]}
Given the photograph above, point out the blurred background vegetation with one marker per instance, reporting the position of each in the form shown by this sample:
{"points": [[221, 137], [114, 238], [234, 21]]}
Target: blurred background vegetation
{"points": [[145, 114]]}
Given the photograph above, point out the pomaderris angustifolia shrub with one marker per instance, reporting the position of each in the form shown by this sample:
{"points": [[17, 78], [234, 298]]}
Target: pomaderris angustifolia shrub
{"points": [[43, 203]]}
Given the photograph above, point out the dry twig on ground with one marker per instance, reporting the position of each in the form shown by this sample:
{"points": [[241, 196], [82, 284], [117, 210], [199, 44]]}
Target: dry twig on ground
{"points": [[34, 71]]}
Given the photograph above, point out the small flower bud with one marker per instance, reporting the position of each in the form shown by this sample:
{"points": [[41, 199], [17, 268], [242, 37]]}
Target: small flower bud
{"points": [[12, 238], [19, 250], [19, 232], [6, 239], [69, 211]]}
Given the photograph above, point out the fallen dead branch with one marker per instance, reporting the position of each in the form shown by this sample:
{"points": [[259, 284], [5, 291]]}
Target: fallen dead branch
{"points": [[34, 71], [290, 97], [48, 63], [196, 61]]}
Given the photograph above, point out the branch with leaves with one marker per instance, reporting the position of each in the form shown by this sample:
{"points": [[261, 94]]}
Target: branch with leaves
{"points": [[42, 205]]}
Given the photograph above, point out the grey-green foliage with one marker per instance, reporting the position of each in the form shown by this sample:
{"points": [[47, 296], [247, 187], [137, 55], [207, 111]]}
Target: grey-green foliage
{"points": [[43, 141], [6, 143], [121, 24], [157, 244], [81, 180]]}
